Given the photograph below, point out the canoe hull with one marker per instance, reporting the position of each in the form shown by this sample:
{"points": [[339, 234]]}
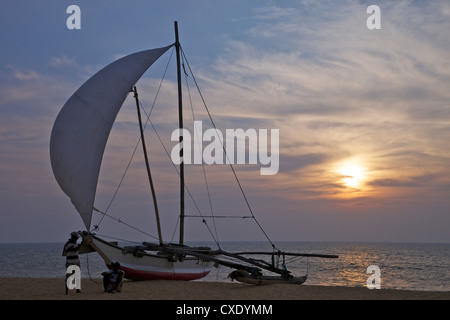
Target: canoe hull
{"points": [[244, 277], [149, 266]]}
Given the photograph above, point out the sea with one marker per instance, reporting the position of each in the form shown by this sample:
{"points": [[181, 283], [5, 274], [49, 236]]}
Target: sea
{"points": [[408, 266]]}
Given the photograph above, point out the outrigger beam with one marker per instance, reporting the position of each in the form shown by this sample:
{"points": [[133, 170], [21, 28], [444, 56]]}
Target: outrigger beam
{"points": [[326, 256], [208, 257], [271, 267], [256, 263]]}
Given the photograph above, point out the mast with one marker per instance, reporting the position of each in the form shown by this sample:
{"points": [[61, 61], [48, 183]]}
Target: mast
{"points": [[180, 126], [148, 166]]}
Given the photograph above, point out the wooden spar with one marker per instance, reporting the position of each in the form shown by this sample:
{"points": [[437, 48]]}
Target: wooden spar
{"points": [[285, 273], [256, 279], [155, 204], [210, 256], [180, 125], [326, 256]]}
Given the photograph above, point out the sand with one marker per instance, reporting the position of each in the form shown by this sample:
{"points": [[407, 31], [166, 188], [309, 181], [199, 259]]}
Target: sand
{"points": [[53, 289]]}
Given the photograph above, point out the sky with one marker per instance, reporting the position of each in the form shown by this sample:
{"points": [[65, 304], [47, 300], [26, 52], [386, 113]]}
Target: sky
{"points": [[363, 116]]}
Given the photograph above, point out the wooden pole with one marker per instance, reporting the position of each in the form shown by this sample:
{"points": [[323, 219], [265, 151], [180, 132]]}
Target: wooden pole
{"points": [[180, 126], [148, 166]]}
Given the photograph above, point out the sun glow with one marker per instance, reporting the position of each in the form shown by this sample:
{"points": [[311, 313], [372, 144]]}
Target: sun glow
{"points": [[352, 175]]}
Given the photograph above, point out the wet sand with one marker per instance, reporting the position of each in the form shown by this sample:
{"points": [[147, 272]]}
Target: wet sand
{"points": [[53, 289]]}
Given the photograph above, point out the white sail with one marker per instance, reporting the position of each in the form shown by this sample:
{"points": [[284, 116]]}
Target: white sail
{"points": [[82, 127]]}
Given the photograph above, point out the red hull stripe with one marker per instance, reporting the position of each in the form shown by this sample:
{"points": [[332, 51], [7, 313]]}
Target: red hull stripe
{"points": [[134, 274]]}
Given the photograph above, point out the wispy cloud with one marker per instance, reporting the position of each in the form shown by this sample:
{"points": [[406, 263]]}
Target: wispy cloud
{"points": [[334, 89], [29, 102], [312, 69], [338, 90], [23, 75], [62, 60]]}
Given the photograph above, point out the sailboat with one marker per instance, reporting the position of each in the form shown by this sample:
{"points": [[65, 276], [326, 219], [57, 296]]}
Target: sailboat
{"points": [[77, 144]]}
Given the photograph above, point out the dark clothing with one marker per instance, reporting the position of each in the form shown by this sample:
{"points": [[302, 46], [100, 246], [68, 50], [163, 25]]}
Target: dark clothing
{"points": [[71, 251], [112, 280]]}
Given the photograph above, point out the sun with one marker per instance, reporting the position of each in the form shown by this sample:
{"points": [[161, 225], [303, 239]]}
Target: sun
{"points": [[352, 175]]}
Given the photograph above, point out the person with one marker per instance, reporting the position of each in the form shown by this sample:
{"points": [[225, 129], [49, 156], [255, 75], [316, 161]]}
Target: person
{"points": [[113, 279], [71, 252]]}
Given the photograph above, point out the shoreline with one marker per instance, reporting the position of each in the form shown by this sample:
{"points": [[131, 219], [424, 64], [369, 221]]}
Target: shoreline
{"points": [[92, 289]]}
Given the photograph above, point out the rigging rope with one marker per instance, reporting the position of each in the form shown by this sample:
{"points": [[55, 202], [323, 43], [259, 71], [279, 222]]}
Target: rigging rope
{"points": [[159, 138], [124, 223], [203, 164], [131, 158], [137, 144], [88, 270], [231, 166], [185, 186]]}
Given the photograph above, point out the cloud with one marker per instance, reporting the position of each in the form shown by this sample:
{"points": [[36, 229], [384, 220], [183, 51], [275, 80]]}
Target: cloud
{"points": [[62, 60], [335, 89], [29, 103], [412, 182], [25, 75]]}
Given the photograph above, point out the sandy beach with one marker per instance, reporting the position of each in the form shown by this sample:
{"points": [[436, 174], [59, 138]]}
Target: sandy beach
{"points": [[92, 289]]}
